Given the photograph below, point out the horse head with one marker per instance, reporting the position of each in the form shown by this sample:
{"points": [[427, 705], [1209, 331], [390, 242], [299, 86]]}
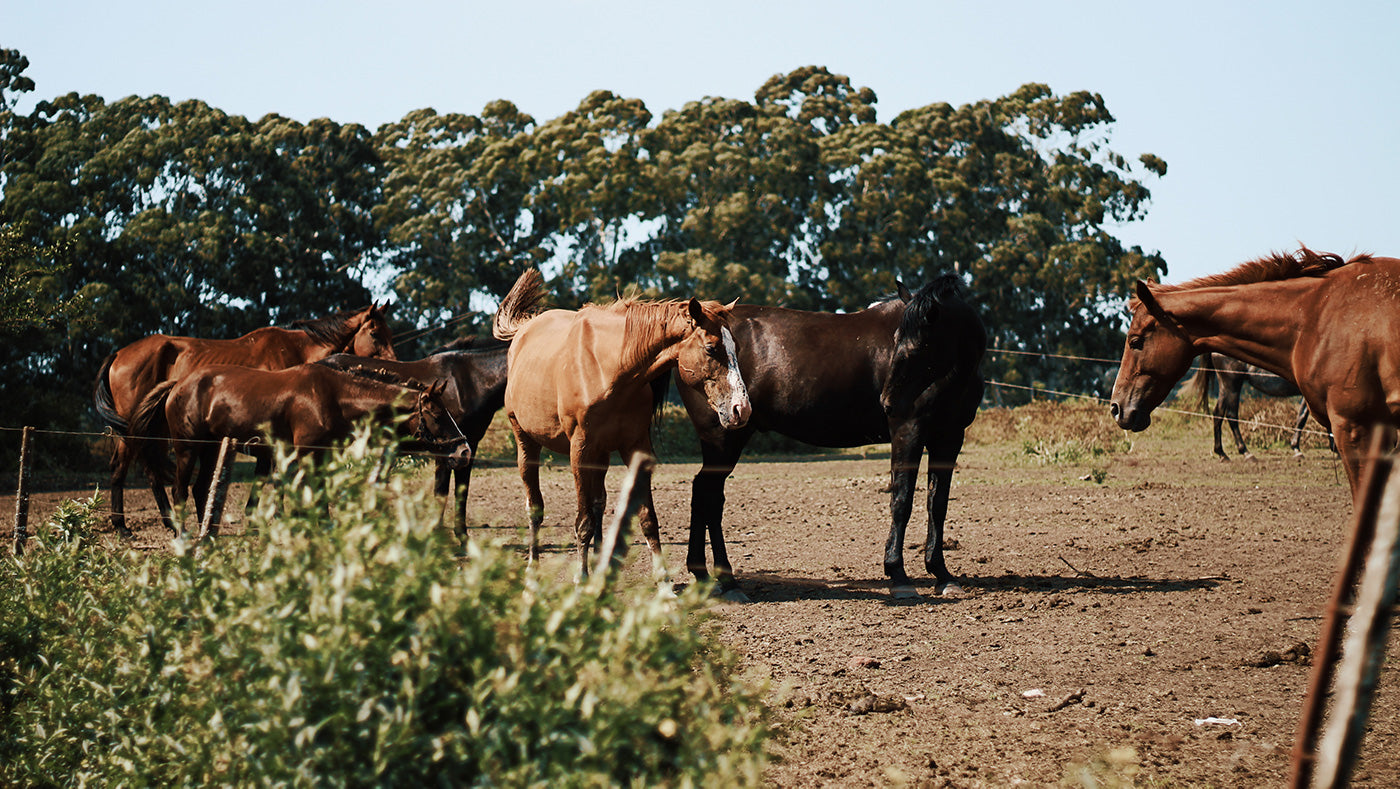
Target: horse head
{"points": [[937, 337], [1156, 355], [435, 426], [373, 338], [709, 361]]}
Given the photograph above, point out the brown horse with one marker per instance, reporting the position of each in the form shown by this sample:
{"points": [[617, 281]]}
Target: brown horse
{"points": [[130, 374], [310, 406], [581, 382], [1324, 324]]}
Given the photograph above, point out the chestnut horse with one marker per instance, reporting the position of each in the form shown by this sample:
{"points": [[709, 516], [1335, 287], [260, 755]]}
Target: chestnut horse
{"points": [[581, 382], [1326, 325], [310, 406], [129, 375], [906, 370], [476, 387]]}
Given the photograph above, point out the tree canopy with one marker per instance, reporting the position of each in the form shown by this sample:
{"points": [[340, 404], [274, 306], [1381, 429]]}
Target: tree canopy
{"points": [[181, 218]]}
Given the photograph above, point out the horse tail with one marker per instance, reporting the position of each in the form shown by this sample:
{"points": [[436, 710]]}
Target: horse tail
{"points": [[102, 399], [660, 385], [1197, 388], [148, 422], [518, 307]]}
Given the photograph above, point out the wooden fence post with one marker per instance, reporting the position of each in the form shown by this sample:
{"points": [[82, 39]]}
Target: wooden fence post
{"points": [[1366, 507], [614, 545], [218, 491], [22, 492]]}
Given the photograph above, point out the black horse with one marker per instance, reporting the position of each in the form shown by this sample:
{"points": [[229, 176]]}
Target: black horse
{"points": [[475, 369], [907, 370], [1231, 375]]}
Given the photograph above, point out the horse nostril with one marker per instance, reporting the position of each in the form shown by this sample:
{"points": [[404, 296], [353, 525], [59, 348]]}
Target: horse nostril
{"points": [[1114, 410]]}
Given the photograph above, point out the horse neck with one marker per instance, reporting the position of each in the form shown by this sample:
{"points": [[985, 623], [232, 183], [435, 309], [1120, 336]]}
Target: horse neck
{"points": [[361, 397], [1258, 323]]}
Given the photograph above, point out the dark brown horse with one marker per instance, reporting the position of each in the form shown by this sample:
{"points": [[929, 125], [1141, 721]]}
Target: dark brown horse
{"points": [[310, 406], [1326, 325], [581, 383], [906, 371], [476, 386], [1231, 375], [130, 374]]}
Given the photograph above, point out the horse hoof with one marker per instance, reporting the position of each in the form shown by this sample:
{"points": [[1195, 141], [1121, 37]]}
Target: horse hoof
{"points": [[1248, 456], [905, 592], [734, 596], [950, 589]]}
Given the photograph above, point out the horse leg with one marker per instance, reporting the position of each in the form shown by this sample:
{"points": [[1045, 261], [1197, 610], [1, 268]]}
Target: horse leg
{"points": [[943, 452], [590, 472], [464, 482], [1353, 445], [122, 452], [1297, 441], [180, 489], [262, 470], [707, 509], [905, 453], [527, 459], [1229, 403]]}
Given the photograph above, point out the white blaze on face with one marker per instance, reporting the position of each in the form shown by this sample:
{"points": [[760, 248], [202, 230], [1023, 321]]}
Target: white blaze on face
{"points": [[738, 394]]}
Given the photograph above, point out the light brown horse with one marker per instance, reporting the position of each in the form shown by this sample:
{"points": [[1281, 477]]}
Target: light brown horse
{"points": [[130, 374], [582, 383], [310, 406], [1326, 325]]}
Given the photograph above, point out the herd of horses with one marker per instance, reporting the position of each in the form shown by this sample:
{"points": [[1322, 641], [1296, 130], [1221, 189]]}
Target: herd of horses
{"points": [[588, 383]]}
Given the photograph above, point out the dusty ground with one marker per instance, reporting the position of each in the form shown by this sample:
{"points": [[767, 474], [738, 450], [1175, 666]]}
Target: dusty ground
{"points": [[1176, 589]]}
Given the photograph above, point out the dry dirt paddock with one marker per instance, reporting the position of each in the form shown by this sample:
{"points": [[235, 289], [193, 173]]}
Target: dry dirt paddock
{"points": [[1110, 603]]}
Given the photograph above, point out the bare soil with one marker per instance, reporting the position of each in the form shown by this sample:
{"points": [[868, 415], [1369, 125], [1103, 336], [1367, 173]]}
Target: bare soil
{"points": [[1110, 606]]}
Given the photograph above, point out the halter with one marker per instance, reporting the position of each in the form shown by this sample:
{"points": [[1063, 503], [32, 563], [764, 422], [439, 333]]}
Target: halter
{"points": [[418, 431]]}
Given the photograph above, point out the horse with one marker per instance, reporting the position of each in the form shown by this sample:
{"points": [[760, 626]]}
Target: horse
{"points": [[310, 406], [1325, 324], [906, 370], [581, 382], [132, 372], [1232, 375], [476, 386]]}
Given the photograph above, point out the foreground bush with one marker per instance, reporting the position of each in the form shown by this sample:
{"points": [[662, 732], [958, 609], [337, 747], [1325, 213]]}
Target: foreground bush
{"points": [[351, 653]]}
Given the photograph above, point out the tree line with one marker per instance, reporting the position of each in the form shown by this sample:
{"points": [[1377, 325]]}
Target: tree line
{"points": [[141, 215]]}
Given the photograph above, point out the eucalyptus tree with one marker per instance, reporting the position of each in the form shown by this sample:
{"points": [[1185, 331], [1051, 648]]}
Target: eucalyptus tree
{"points": [[457, 210]]}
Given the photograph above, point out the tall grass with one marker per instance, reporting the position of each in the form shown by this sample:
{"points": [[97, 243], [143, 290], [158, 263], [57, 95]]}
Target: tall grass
{"points": [[346, 646]]}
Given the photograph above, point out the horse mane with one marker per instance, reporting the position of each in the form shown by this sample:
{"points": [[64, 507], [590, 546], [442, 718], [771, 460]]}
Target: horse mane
{"points": [[331, 330], [648, 323], [944, 287], [1271, 268], [385, 377]]}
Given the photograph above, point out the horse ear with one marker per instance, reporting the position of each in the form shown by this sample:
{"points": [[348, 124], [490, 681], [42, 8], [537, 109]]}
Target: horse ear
{"points": [[732, 304], [693, 309], [1144, 295], [904, 294]]}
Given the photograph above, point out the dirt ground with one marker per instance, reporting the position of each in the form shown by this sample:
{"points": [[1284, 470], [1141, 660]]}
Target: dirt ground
{"points": [[1109, 607]]}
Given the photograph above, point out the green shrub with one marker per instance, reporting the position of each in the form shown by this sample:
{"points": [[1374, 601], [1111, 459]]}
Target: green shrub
{"points": [[355, 650]]}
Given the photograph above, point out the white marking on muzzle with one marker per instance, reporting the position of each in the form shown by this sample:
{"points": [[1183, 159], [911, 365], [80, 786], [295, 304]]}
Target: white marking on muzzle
{"points": [[738, 393]]}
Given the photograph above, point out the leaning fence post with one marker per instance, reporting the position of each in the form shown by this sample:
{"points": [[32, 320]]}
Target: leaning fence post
{"points": [[22, 493], [218, 491], [1365, 508], [630, 499]]}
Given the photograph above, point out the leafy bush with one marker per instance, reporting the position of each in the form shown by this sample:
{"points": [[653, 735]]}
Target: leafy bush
{"points": [[354, 650]]}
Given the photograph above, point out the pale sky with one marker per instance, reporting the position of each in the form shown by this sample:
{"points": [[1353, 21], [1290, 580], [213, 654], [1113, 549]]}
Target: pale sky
{"points": [[1279, 121]]}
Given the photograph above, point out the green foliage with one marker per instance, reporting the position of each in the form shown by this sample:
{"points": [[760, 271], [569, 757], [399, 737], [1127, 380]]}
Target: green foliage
{"points": [[355, 652]]}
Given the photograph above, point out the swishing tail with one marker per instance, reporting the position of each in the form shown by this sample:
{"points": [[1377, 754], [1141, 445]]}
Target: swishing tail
{"points": [[518, 307], [1197, 388], [102, 398], [148, 422]]}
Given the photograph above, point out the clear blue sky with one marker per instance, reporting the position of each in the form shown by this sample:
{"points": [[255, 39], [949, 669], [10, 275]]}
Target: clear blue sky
{"points": [[1280, 121]]}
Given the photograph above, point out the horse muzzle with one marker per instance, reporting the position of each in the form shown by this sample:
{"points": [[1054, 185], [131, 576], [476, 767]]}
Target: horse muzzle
{"points": [[461, 455], [737, 415], [1134, 419]]}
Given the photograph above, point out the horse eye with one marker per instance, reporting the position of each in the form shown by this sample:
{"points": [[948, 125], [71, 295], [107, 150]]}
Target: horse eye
{"points": [[1135, 342], [713, 350]]}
